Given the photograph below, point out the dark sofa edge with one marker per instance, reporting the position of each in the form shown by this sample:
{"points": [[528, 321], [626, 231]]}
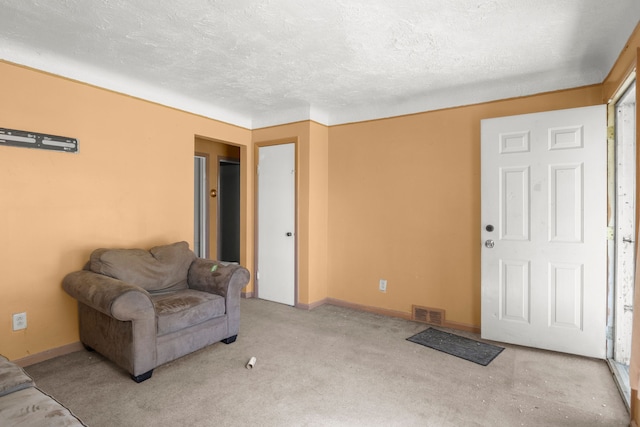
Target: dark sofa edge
{"points": [[14, 379]]}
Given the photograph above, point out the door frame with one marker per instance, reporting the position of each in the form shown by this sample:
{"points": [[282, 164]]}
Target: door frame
{"points": [[256, 255], [620, 374], [204, 219], [615, 243]]}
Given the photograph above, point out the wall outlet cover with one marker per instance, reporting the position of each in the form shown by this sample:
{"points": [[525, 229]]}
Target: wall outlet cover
{"points": [[19, 321]]}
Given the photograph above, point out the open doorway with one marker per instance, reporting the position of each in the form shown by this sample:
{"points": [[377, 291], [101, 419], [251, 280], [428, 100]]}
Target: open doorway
{"points": [[624, 207], [229, 210], [217, 200]]}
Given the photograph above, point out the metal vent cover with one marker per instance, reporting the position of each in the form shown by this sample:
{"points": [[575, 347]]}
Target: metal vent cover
{"points": [[432, 316]]}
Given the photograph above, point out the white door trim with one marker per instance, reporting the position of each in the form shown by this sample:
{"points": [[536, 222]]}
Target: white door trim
{"points": [[625, 214]]}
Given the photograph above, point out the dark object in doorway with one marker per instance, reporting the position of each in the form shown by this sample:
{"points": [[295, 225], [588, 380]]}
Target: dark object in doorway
{"points": [[464, 348]]}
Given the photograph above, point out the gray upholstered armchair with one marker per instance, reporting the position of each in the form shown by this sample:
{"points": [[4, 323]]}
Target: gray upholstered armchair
{"points": [[142, 308]]}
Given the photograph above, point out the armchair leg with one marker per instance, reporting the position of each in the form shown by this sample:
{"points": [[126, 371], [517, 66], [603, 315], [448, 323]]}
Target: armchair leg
{"points": [[230, 339], [142, 377]]}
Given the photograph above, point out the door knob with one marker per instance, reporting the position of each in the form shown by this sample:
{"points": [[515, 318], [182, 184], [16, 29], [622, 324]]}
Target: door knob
{"points": [[489, 243], [289, 234]]}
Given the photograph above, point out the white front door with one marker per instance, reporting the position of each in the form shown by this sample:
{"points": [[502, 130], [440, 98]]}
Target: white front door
{"points": [[544, 217], [276, 223]]}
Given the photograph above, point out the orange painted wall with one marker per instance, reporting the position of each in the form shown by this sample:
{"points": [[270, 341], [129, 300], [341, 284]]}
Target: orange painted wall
{"points": [[404, 205], [130, 185], [318, 212]]}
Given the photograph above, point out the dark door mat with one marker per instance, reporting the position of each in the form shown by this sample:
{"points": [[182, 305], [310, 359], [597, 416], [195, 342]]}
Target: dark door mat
{"points": [[465, 348]]}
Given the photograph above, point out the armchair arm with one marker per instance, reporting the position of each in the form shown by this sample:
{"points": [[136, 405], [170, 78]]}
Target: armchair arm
{"points": [[227, 280], [110, 296]]}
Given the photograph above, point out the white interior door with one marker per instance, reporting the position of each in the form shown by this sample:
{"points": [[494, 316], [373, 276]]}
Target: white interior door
{"points": [[544, 218], [276, 223]]}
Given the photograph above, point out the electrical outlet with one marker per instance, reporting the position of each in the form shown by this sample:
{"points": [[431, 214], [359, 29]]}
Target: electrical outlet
{"points": [[383, 285], [19, 321]]}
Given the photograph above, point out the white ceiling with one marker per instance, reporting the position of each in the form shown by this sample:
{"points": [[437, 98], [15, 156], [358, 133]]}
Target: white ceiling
{"points": [[260, 63]]}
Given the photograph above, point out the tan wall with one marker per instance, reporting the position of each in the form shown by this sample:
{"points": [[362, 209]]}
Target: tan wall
{"points": [[404, 205], [131, 184], [318, 257]]}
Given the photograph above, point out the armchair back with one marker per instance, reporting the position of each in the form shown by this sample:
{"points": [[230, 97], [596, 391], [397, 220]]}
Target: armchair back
{"points": [[160, 269]]}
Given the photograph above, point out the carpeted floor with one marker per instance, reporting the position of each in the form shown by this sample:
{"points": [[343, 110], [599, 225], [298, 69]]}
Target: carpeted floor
{"points": [[337, 367]]}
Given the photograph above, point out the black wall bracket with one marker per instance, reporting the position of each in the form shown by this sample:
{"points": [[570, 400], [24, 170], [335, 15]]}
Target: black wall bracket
{"points": [[43, 141]]}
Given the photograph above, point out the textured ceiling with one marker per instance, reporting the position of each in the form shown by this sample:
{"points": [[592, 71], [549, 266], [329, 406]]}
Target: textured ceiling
{"points": [[258, 63]]}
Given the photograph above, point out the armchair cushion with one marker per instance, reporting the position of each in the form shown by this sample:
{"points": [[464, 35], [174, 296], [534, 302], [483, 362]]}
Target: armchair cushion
{"points": [[179, 310], [160, 269]]}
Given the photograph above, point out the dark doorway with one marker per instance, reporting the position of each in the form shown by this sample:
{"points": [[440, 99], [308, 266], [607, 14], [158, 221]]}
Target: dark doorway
{"points": [[229, 210]]}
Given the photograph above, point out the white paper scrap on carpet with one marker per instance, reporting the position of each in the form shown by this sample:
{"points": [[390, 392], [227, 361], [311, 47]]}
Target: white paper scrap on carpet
{"points": [[251, 362]]}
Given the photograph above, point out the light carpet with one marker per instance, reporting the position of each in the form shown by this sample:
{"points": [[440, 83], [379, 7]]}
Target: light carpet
{"points": [[334, 366]]}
